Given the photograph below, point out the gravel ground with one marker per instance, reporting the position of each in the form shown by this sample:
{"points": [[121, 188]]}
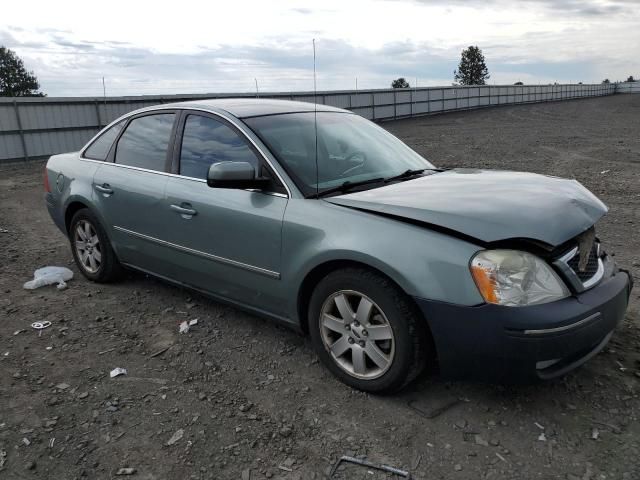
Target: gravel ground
{"points": [[239, 397]]}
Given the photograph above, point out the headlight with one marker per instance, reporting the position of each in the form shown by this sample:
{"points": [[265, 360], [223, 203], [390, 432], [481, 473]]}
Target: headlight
{"points": [[515, 279]]}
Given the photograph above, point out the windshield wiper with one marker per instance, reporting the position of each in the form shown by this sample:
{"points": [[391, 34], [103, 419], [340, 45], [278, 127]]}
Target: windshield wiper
{"points": [[346, 186], [406, 174]]}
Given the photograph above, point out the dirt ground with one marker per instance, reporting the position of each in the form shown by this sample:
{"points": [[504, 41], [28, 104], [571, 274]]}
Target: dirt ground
{"points": [[238, 397]]}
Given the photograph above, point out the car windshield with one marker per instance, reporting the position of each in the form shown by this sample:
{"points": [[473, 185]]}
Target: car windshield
{"points": [[349, 148]]}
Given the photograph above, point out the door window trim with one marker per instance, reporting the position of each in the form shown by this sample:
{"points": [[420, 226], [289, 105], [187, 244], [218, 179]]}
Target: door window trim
{"points": [[180, 111], [260, 157], [111, 158]]}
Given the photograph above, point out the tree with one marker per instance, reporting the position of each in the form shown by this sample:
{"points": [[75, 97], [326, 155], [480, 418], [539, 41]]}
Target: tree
{"points": [[472, 69], [400, 83], [606, 80], [15, 80], [631, 79]]}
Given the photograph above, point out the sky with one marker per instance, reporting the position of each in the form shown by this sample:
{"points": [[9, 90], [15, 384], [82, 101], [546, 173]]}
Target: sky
{"points": [[143, 47]]}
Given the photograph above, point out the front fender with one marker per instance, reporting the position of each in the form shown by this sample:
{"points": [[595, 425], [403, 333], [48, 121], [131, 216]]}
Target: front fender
{"points": [[424, 263]]}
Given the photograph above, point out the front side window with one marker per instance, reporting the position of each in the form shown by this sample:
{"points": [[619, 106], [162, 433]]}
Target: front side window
{"points": [[206, 141], [145, 142], [100, 147], [347, 148]]}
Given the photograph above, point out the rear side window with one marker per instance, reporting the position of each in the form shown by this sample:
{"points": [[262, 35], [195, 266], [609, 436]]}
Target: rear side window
{"points": [[206, 141], [99, 149], [145, 142]]}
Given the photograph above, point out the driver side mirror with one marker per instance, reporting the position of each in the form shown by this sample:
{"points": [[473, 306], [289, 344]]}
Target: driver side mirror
{"points": [[238, 175]]}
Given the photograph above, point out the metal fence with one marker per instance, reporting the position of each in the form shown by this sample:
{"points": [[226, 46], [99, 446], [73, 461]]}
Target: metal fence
{"points": [[32, 128], [628, 87]]}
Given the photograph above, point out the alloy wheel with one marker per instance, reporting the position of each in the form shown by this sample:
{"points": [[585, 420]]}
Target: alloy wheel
{"points": [[87, 245], [357, 334]]}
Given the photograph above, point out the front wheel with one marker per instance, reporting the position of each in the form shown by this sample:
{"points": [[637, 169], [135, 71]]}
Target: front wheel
{"points": [[367, 331], [91, 248]]}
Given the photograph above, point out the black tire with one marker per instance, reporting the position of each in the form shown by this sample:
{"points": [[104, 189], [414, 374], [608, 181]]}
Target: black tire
{"points": [[411, 336], [109, 268]]}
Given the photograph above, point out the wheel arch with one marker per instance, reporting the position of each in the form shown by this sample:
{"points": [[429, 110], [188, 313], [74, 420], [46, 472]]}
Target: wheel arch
{"points": [[71, 209], [317, 273], [77, 203]]}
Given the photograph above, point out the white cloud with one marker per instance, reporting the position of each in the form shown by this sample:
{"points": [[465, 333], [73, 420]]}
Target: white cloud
{"points": [[194, 46]]}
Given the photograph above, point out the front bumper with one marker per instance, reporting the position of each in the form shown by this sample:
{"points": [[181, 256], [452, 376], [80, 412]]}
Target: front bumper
{"points": [[512, 344]]}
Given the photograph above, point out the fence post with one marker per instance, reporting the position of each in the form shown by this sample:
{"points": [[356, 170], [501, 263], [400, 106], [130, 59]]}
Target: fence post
{"points": [[373, 106], [21, 132], [395, 105], [411, 103], [98, 114], [428, 100]]}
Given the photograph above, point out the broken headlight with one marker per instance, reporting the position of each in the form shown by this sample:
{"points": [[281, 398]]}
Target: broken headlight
{"points": [[515, 279]]}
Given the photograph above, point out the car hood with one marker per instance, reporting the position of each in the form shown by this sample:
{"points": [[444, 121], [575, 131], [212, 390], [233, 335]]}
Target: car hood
{"points": [[487, 205]]}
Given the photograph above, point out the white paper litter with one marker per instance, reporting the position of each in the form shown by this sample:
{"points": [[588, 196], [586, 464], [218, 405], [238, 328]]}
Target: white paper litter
{"points": [[49, 276], [118, 371], [184, 326]]}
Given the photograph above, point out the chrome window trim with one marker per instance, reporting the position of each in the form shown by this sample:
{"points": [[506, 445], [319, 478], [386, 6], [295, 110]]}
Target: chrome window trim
{"points": [[226, 117], [208, 256], [182, 177], [544, 331]]}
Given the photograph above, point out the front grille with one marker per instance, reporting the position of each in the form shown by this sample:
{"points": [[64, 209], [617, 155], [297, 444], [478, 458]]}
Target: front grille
{"points": [[592, 264], [569, 266]]}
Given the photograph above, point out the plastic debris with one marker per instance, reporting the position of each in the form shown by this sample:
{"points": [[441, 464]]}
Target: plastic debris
{"points": [[126, 471], [117, 372], [542, 437], [49, 276], [175, 437], [604, 172], [595, 433], [41, 325], [184, 326]]}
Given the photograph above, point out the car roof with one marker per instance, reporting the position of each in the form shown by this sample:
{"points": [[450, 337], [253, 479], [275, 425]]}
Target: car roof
{"points": [[254, 107]]}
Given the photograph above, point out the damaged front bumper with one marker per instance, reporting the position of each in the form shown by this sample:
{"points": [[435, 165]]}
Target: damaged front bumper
{"points": [[513, 344]]}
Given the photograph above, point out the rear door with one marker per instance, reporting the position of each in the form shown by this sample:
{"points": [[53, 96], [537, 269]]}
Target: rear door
{"points": [[129, 189], [228, 241]]}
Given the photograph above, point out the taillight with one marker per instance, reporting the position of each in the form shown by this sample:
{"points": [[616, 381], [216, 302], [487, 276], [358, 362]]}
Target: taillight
{"points": [[47, 188]]}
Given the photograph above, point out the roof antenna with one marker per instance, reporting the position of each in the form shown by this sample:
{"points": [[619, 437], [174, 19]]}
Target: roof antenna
{"points": [[315, 115], [257, 91]]}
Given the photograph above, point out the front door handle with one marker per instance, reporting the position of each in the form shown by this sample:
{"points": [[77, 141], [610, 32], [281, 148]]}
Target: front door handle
{"points": [[104, 188], [184, 211]]}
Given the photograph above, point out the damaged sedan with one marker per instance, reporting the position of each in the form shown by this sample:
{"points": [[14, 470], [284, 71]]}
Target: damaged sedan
{"points": [[315, 217]]}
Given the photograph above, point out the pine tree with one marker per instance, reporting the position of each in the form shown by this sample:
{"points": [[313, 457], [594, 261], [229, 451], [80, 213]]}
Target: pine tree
{"points": [[472, 69], [15, 80]]}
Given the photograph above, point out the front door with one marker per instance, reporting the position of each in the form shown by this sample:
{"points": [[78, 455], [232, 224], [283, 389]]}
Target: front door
{"points": [[227, 241]]}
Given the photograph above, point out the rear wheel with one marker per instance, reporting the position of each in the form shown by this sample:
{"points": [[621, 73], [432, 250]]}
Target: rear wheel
{"points": [[91, 248], [367, 331]]}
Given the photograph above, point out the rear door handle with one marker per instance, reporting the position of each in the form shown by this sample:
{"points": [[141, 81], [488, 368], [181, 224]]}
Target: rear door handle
{"points": [[184, 211], [104, 188]]}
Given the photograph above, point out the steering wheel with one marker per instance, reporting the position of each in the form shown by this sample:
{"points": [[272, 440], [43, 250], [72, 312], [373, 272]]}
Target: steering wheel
{"points": [[359, 157]]}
